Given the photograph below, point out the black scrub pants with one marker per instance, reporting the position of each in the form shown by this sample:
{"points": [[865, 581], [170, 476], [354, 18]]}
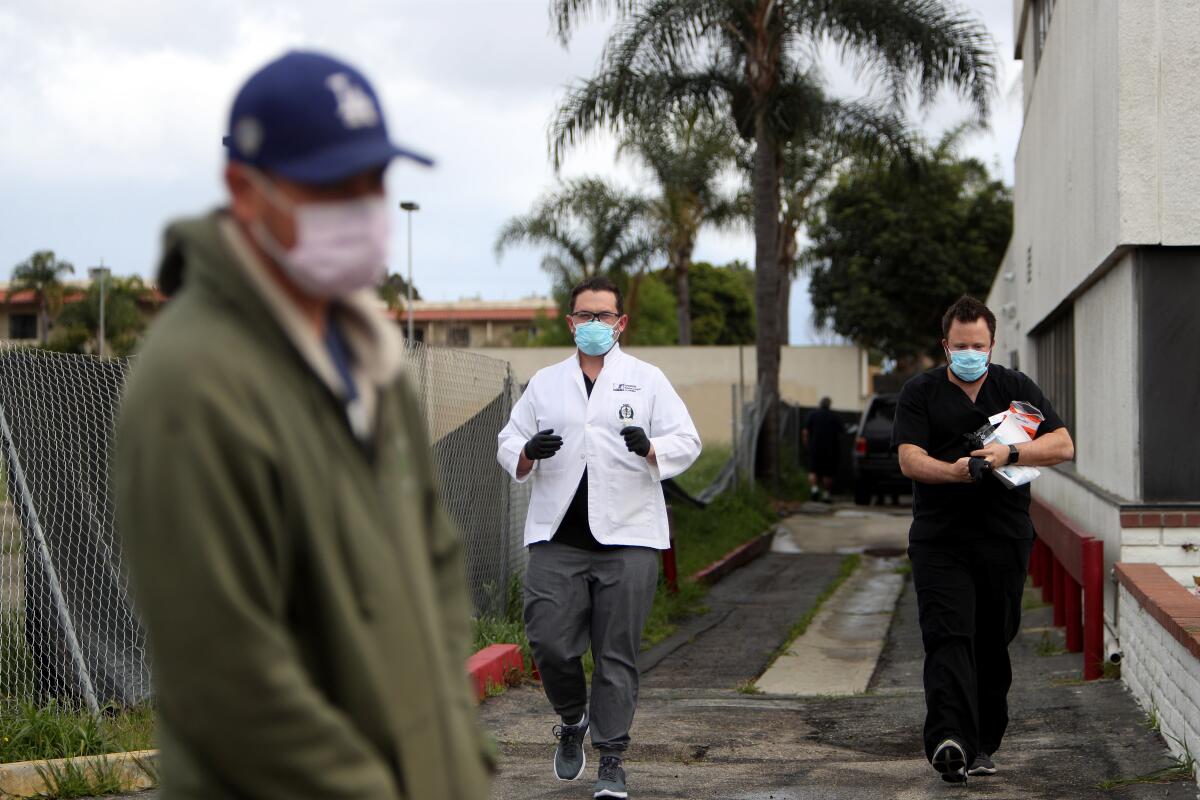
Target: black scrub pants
{"points": [[969, 599]]}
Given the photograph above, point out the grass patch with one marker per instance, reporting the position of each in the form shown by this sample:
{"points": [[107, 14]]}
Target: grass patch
{"points": [[1048, 646], [845, 570], [670, 610], [37, 733], [702, 535], [73, 780], [16, 665], [700, 475], [1110, 671], [1032, 601]]}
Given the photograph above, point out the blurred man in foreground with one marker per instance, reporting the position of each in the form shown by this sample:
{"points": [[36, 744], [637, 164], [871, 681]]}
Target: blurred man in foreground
{"points": [[302, 587]]}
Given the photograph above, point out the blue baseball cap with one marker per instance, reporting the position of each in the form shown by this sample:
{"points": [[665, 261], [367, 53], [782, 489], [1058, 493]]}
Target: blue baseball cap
{"points": [[312, 119]]}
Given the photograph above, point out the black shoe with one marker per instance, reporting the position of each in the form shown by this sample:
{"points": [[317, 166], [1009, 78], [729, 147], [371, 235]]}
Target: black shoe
{"points": [[569, 758], [950, 761], [611, 781], [982, 765]]}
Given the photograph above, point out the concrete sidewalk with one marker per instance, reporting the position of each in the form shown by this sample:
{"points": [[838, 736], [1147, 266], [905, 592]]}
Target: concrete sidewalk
{"points": [[697, 736]]}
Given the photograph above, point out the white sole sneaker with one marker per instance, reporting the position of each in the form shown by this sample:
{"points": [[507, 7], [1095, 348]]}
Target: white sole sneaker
{"points": [[950, 760], [578, 775]]}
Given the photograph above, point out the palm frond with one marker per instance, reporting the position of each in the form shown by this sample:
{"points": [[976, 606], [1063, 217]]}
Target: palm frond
{"points": [[907, 45]]}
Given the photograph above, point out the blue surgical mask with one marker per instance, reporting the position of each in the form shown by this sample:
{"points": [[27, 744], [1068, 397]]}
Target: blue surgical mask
{"points": [[595, 338], [968, 365]]}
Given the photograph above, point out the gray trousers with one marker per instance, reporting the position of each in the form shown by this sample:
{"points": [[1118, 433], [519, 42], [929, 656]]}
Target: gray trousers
{"points": [[574, 598]]}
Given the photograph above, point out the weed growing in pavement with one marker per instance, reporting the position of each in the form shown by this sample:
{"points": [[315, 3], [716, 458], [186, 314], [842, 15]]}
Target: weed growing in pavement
{"points": [[1110, 671], [749, 687], [1152, 722], [1183, 768]]}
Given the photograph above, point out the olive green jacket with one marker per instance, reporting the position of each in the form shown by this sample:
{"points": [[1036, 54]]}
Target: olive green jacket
{"points": [[302, 587]]}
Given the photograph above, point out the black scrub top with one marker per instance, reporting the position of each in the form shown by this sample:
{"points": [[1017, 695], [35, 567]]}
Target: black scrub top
{"points": [[934, 414]]}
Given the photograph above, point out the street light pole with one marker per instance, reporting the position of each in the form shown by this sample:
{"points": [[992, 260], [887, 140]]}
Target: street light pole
{"points": [[409, 207], [101, 274]]}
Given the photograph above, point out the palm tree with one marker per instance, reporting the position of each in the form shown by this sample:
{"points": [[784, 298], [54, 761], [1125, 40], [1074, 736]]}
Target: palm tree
{"points": [[589, 227], [41, 273], [687, 153], [748, 58]]}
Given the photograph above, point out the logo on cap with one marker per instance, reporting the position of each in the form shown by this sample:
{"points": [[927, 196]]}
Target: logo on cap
{"points": [[248, 135], [355, 106]]}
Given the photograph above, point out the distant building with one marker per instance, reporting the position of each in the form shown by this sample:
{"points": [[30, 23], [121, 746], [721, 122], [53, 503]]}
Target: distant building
{"points": [[1097, 295], [476, 323], [19, 318]]}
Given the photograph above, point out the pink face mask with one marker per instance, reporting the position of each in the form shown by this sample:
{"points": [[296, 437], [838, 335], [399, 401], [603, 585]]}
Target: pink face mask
{"points": [[341, 246]]}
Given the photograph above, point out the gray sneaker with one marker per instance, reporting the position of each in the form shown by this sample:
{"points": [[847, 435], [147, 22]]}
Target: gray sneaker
{"points": [[569, 758], [982, 765], [612, 779], [950, 760]]}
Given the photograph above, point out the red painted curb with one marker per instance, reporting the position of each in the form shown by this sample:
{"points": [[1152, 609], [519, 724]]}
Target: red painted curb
{"points": [[738, 557], [493, 666]]}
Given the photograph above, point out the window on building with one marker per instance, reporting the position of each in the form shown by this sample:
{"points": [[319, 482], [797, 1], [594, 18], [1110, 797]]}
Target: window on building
{"points": [[459, 336], [1056, 365], [1042, 11], [22, 326]]}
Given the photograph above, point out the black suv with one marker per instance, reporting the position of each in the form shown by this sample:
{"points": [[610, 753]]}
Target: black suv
{"points": [[876, 466]]}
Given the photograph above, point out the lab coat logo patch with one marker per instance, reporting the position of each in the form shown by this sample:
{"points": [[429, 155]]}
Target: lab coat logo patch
{"points": [[625, 412]]}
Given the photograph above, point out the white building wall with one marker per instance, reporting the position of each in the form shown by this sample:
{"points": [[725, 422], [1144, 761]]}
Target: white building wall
{"points": [[1162, 675], [1106, 382], [1067, 210], [1159, 121]]}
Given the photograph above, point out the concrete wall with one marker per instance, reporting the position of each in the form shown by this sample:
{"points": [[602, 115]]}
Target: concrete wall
{"points": [[1106, 382], [703, 376]]}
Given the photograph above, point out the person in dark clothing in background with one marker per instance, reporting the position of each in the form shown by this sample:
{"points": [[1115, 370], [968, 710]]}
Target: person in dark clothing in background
{"points": [[822, 437], [970, 539]]}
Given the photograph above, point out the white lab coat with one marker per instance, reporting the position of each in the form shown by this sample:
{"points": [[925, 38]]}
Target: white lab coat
{"points": [[625, 498]]}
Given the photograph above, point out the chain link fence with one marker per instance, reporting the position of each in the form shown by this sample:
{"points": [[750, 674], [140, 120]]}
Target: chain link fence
{"points": [[68, 631]]}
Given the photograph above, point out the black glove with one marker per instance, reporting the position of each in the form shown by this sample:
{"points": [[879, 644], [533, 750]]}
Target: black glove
{"points": [[636, 440], [544, 445], [977, 467]]}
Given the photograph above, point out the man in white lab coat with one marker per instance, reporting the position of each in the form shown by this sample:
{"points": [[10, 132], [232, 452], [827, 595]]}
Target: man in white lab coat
{"points": [[596, 434]]}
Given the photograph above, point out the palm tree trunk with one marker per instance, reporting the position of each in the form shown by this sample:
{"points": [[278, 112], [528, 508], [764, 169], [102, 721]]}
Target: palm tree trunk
{"points": [[766, 290], [682, 262], [787, 258]]}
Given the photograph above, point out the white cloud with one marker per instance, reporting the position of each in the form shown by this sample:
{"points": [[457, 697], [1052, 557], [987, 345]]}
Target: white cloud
{"points": [[114, 113]]}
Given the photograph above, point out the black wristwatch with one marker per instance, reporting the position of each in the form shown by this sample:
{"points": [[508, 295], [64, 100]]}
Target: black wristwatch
{"points": [[1013, 454]]}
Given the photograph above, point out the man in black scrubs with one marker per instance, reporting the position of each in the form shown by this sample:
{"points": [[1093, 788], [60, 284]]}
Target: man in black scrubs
{"points": [[822, 435], [970, 540]]}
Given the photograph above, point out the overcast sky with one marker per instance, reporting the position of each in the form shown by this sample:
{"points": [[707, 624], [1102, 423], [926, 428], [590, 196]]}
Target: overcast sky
{"points": [[113, 114]]}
